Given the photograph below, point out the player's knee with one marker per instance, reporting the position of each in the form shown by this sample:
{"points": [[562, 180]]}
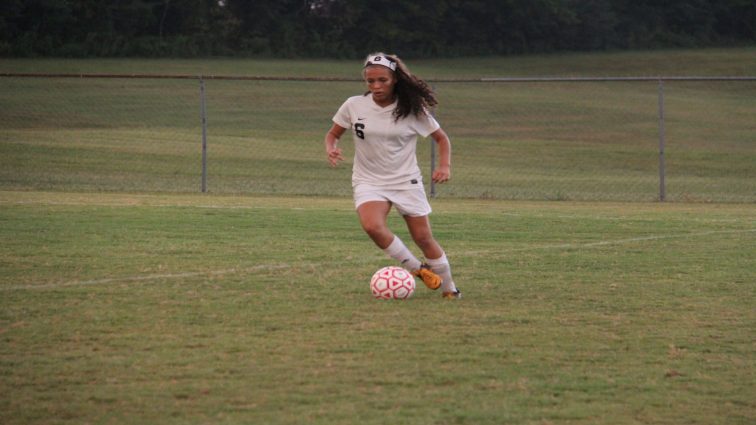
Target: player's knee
{"points": [[374, 229]]}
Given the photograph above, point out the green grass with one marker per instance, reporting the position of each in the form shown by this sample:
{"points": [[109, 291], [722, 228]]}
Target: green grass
{"points": [[118, 308], [549, 141], [691, 62]]}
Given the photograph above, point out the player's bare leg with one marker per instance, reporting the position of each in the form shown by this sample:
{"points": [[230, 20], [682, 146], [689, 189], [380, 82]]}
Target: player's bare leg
{"points": [[373, 216], [420, 229]]}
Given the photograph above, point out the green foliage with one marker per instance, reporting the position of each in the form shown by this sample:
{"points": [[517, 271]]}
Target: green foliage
{"points": [[340, 28]]}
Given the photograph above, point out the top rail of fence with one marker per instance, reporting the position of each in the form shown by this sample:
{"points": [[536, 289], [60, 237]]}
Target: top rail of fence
{"points": [[344, 79]]}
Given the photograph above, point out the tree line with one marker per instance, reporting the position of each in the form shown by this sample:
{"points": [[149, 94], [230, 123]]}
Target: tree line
{"points": [[351, 28]]}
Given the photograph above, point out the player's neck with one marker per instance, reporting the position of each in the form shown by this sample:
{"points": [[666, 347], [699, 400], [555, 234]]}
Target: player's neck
{"points": [[384, 102]]}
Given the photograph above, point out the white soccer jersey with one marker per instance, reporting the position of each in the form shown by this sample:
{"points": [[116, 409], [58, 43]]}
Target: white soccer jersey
{"points": [[384, 152]]}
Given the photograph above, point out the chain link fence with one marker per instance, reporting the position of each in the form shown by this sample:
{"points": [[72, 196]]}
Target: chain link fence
{"points": [[536, 139]]}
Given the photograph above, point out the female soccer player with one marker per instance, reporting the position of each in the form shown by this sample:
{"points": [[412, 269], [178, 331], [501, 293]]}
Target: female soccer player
{"points": [[385, 123]]}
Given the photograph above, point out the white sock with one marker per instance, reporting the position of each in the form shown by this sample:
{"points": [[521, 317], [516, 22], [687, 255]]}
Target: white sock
{"points": [[441, 267], [399, 252]]}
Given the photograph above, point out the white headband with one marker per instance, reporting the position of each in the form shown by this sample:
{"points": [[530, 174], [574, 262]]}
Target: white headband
{"points": [[381, 60]]}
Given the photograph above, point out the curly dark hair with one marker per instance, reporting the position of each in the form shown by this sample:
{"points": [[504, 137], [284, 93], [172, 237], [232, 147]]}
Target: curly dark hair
{"points": [[414, 96]]}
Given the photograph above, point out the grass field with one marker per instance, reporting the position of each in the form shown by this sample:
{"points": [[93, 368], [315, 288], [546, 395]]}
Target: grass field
{"points": [[128, 297], [119, 308], [693, 62], [548, 141]]}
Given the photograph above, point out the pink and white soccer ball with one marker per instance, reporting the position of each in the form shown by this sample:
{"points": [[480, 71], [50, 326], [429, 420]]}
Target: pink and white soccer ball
{"points": [[392, 283]]}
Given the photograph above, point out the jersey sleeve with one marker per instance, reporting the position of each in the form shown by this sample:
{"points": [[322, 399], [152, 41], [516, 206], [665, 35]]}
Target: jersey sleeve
{"points": [[343, 116], [426, 124]]}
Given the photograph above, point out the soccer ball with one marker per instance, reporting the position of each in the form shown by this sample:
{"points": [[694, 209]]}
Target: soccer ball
{"points": [[392, 283]]}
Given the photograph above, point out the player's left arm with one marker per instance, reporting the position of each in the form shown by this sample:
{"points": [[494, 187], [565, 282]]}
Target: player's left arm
{"points": [[442, 173]]}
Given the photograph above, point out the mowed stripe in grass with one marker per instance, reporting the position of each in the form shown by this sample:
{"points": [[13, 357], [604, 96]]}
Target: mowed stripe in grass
{"points": [[574, 313]]}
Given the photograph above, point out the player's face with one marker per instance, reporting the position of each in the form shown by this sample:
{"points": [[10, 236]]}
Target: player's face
{"points": [[380, 81]]}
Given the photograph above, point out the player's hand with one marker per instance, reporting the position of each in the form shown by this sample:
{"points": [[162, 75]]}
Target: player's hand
{"points": [[335, 156], [441, 174]]}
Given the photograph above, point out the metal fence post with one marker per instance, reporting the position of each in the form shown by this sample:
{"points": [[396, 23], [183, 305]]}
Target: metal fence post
{"points": [[203, 118], [662, 170], [432, 157], [432, 167]]}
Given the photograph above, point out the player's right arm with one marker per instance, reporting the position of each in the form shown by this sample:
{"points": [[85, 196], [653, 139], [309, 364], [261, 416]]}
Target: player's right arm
{"points": [[331, 144]]}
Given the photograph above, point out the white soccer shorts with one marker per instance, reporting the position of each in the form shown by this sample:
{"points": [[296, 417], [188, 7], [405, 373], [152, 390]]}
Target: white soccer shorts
{"points": [[410, 202]]}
